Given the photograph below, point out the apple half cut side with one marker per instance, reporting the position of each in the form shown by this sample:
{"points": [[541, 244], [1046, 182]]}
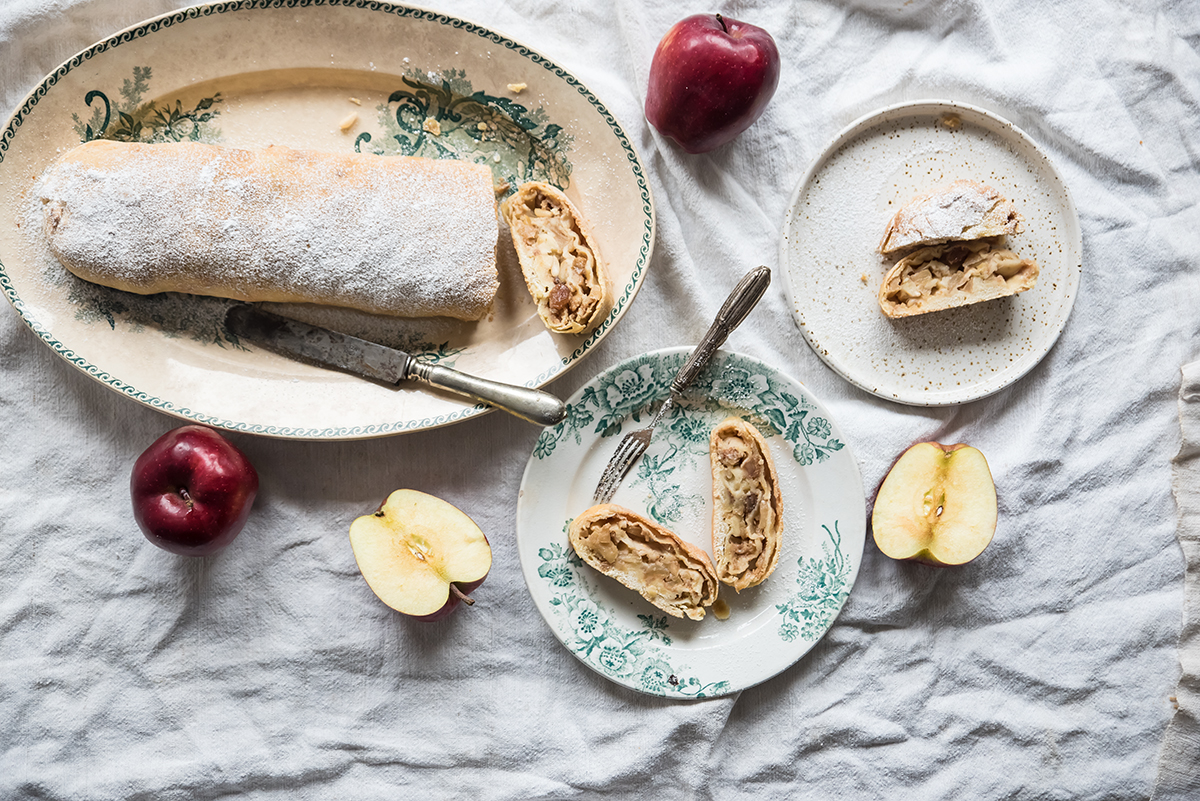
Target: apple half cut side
{"points": [[936, 506], [420, 555]]}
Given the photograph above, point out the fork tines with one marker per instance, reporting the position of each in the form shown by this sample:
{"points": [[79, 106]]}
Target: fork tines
{"points": [[632, 446]]}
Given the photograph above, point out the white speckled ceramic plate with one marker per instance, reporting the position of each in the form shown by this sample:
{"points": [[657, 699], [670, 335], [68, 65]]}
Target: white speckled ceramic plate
{"points": [[613, 630], [833, 272], [335, 75]]}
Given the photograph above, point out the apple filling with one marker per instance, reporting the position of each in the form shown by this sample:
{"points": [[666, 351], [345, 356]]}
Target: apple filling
{"points": [[673, 575], [747, 519], [955, 274], [561, 266]]}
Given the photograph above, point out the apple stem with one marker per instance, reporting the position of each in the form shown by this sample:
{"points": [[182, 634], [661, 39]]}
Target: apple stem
{"points": [[721, 20], [462, 596], [187, 496]]}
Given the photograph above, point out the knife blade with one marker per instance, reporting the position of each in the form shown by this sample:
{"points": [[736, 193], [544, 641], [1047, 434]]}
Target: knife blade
{"points": [[366, 359]]}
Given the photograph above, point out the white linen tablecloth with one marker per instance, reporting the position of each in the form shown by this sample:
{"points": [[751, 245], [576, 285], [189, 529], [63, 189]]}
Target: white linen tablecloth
{"points": [[1046, 669]]}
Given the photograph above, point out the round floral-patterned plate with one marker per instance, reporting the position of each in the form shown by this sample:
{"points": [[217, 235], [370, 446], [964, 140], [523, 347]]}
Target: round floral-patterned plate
{"points": [[334, 75], [833, 272], [613, 630]]}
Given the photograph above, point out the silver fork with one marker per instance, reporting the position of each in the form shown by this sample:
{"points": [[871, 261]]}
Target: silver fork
{"points": [[741, 300]]}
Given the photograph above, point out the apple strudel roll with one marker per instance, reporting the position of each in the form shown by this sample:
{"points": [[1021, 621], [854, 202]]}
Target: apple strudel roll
{"points": [[400, 236], [747, 505], [674, 575], [559, 258]]}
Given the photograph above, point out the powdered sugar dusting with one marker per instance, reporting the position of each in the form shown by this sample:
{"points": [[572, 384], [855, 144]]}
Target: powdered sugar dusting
{"points": [[400, 236], [943, 213], [946, 212]]}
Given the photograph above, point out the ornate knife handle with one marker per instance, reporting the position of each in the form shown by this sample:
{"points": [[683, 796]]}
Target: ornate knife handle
{"points": [[741, 300], [533, 405]]}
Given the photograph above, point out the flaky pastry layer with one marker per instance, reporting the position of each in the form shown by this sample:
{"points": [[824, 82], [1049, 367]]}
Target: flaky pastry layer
{"points": [[960, 210], [646, 557]]}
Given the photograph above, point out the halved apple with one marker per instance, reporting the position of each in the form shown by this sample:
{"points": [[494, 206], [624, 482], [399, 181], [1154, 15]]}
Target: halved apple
{"points": [[937, 505], [420, 554]]}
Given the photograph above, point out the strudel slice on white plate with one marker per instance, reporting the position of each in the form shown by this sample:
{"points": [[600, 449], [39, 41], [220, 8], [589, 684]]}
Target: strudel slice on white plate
{"points": [[747, 505]]}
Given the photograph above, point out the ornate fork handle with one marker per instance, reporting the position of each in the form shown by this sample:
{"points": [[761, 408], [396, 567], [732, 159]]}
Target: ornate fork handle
{"points": [[741, 300]]}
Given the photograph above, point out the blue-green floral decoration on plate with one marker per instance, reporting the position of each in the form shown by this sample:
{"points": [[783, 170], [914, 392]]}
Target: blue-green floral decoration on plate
{"points": [[781, 619]]}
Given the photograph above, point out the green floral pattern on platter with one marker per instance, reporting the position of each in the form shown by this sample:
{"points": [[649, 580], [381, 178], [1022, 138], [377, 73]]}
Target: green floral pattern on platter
{"points": [[823, 585], [136, 121], [442, 116]]}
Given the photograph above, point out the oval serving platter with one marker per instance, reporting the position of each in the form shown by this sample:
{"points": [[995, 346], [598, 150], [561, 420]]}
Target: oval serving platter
{"points": [[613, 630], [833, 272], [335, 75]]}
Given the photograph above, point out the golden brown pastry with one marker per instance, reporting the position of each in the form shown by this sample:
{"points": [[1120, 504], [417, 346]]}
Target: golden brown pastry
{"points": [[558, 256], [401, 236], [674, 575], [960, 210], [954, 274], [747, 505]]}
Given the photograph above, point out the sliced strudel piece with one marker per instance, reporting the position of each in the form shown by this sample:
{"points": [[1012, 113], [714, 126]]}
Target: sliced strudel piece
{"points": [[747, 505], [674, 575], [960, 210], [955, 274], [559, 258]]}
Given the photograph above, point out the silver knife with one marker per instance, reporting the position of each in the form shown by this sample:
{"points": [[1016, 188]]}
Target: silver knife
{"points": [[377, 362]]}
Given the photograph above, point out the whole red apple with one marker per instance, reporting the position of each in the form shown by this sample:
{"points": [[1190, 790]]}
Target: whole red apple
{"points": [[711, 77], [192, 491]]}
